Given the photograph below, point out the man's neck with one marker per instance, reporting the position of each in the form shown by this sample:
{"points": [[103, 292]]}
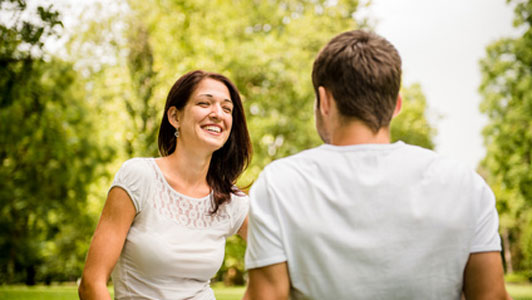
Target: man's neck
{"points": [[356, 133]]}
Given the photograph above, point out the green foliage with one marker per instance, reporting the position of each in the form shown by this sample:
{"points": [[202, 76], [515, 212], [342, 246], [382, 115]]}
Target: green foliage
{"points": [[48, 156], [24, 38], [139, 106], [411, 125], [232, 270], [507, 91]]}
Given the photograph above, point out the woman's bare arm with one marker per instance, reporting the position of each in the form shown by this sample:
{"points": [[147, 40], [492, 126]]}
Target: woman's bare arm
{"points": [[117, 215]]}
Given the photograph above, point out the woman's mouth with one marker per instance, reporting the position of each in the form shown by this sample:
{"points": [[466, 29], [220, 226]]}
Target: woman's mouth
{"points": [[213, 128]]}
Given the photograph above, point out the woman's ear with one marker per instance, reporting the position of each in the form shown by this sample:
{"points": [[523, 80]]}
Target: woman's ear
{"points": [[173, 116]]}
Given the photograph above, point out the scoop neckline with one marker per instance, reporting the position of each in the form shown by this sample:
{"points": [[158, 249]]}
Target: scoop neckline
{"points": [[165, 182]]}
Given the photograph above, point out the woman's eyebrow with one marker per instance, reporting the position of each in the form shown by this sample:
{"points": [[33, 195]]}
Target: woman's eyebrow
{"points": [[211, 96]]}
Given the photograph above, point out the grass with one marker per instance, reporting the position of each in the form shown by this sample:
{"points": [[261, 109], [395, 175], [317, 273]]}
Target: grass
{"points": [[40, 292], [70, 292], [519, 291], [228, 293]]}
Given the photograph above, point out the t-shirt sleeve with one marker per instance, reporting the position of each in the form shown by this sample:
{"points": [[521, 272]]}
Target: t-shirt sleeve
{"points": [[239, 212], [486, 237], [265, 245], [131, 177]]}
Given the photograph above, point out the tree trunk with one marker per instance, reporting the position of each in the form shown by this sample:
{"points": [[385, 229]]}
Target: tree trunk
{"points": [[30, 275], [507, 250], [11, 265]]}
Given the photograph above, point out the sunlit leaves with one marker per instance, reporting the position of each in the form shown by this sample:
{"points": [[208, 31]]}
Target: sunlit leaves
{"points": [[49, 157], [507, 101]]}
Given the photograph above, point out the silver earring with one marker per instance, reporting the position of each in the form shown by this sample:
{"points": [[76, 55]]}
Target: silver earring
{"points": [[176, 133]]}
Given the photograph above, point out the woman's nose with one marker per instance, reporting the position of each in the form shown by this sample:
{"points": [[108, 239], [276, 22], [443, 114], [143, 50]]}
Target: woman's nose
{"points": [[216, 111]]}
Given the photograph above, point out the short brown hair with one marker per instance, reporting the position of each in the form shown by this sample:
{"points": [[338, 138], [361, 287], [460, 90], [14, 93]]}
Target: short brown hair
{"points": [[362, 70], [228, 162]]}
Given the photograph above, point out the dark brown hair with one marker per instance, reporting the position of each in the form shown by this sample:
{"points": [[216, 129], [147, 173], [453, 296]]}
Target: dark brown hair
{"points": [[228, 162], [363, 72]]}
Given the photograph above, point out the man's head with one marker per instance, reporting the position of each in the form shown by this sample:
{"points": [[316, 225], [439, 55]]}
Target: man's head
{"points": [[362, 72]]}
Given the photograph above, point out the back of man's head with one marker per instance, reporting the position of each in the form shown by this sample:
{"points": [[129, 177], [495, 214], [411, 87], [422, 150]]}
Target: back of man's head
{"points": [[363, 72]]}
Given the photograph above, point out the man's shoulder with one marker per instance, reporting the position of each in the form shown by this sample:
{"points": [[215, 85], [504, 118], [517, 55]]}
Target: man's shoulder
{"points": [[441, 168], [299, 159], [429, 156], [418, 152], [288, 171], [404, 156], [322, 154]]}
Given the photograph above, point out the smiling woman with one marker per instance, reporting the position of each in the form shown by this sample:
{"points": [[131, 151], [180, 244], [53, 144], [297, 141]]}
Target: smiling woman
{"points": [[205, 121], [163, 227]]}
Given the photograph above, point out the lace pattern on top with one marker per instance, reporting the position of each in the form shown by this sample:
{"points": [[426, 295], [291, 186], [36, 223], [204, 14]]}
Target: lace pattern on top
{"points": [[191, 213]]}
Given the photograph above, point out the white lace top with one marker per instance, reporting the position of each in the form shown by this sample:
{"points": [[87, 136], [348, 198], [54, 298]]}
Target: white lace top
{"points": [[174, 246]]}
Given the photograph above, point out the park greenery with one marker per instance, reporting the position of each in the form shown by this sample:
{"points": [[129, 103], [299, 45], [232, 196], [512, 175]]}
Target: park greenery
{"points": [[70, 119], [507, 101]]}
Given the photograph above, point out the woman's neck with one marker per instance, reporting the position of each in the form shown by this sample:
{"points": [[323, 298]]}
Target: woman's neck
{"points": [[186, 171]]}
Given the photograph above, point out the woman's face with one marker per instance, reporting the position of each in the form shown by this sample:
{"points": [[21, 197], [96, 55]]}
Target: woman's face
{"points": [[206, 119]]}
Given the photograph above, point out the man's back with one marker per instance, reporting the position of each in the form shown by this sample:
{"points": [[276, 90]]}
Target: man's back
{"points": [[389, 221]]}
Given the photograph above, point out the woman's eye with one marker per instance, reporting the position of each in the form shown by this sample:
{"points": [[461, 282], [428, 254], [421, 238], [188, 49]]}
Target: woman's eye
{"points": [[203, 103], [228, 109]]}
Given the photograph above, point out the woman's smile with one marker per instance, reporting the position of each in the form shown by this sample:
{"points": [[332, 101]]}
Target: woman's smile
{"points": [[206, 119]]}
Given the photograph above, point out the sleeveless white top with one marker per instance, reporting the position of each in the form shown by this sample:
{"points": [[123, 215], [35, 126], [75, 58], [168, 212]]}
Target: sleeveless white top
{"points": [[174, 245]]}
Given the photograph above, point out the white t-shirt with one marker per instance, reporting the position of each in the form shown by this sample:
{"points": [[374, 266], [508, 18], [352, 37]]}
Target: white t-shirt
{"points": [[390, 221], [174, 245]]}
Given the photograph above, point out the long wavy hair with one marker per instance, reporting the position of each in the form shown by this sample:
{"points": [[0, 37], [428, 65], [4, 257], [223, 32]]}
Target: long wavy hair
{"points": [[228, 162]]}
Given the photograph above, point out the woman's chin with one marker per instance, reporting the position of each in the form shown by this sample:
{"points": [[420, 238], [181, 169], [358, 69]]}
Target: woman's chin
{"points": [[213, 146]]}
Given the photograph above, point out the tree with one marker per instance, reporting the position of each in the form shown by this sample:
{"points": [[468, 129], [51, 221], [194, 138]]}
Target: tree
{"points": [[411, 125], [48, 155], [143, 81], [507, 101]]}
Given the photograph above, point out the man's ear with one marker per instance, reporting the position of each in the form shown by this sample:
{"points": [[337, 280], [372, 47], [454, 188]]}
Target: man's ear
{"points": [[325, 100], [173, 116], [398, 105]]}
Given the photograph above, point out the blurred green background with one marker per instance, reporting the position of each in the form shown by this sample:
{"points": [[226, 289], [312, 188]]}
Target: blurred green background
{"points": [[68, 119]]}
